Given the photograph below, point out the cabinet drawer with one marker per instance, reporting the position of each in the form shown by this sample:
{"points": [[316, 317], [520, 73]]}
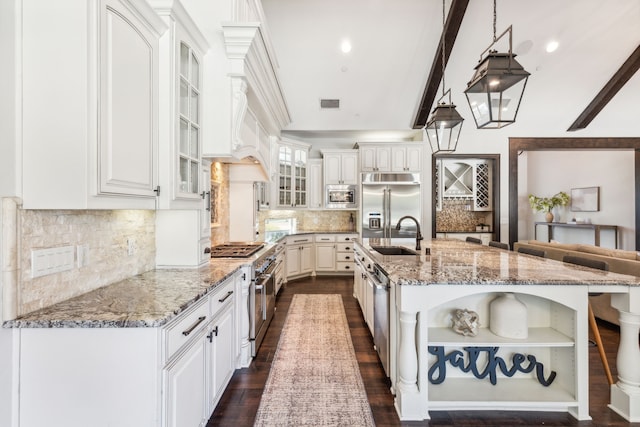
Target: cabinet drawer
{"points": [[324, 238], [346, 237], [186, 326], [344, 266], [295, 240], [221, 296], [344, 256], [344, 247]]}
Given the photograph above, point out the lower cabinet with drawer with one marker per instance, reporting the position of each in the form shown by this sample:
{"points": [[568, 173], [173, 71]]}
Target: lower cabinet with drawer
{"points": [[166, 376]]}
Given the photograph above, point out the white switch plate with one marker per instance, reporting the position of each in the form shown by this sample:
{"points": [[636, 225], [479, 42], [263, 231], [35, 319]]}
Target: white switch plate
{"points": [[82, 255], [52, 260]]}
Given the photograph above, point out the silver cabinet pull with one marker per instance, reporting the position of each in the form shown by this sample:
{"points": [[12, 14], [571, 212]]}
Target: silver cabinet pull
{"points": [[195, 325], [223, 299]]}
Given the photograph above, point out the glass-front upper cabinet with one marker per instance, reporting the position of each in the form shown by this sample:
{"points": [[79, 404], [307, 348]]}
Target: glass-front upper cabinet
{"points": [[292, 175], [190, 133]]}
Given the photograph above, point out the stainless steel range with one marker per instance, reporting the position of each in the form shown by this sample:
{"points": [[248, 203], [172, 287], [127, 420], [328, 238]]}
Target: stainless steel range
{"points": [[262, 295]]}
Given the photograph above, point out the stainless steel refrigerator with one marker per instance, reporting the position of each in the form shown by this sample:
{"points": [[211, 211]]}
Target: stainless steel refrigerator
{"points": [[387, 197]]}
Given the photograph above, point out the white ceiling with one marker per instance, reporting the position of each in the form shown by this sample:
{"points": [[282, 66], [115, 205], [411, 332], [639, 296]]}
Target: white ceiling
{"points": [[381, 82]]}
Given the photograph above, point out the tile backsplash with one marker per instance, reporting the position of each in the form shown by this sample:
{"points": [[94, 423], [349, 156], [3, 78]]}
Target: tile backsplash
{"points": [[309, 220], [456, 215], [110, 237]]}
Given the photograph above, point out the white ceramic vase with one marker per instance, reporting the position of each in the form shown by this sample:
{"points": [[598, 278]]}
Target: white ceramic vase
{"points": [[508, 317]]}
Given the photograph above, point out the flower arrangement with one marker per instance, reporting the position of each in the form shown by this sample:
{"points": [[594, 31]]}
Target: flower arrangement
{"points": [[545, 204]]}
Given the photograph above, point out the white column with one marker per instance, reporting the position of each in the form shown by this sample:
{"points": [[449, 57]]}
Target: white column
{"points": [[625, 394], [409, 403]]}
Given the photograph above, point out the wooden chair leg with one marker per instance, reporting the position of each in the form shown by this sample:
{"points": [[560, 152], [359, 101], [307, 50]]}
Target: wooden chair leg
{"points": [[598, 340]]}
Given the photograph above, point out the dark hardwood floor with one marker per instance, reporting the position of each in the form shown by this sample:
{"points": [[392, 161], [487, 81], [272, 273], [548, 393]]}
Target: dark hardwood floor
{"points": [[240, 401]]}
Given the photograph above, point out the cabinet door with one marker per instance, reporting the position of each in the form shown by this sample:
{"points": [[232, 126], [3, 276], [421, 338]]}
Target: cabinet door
{"points": [[368, 315], [306, 259], [293, 260], [413, 157], [333, 169], [285, 176], [300, 181], [185, 385], [383, 159], [367, 159], [398, 159], [221, 362], [128, 138], [325, 257], [315, 184], [349, 168]]}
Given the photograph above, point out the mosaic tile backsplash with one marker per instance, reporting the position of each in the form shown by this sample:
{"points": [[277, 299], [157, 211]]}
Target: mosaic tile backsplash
{"points": [[456, 215]]}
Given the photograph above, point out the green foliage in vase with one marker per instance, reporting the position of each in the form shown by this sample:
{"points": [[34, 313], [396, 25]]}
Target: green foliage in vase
{"points": [[545, 204]]}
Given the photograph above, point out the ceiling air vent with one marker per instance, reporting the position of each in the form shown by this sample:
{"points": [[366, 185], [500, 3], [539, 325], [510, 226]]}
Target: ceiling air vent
{"points": [[329, 103]]}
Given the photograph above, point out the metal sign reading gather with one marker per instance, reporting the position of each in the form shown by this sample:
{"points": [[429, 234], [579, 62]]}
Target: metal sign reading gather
{"points": [[438, 370]]}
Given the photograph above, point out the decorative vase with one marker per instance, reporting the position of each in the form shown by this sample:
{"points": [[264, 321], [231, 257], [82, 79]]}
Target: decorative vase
{"points": [[548, 217], [508, 317]]}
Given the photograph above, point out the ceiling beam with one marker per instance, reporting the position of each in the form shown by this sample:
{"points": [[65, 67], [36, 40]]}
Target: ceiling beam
{"points": [[450, 31], [624, 73]]}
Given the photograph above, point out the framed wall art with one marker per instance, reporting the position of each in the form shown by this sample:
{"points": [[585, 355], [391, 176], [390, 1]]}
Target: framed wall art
{"points": [[585, 199]]}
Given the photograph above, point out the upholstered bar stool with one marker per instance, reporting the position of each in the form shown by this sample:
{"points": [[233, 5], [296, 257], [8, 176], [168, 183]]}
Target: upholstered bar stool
{"points": [[600, 265], [474, 240], [499, 245], [534, 252]]}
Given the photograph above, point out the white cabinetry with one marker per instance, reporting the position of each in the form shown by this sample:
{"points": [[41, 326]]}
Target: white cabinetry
{"points": [[314, 169], [406, 158], [89, 111], [299, 255], [182, 49], [167, 376], [340, 166], [465, 179], [325, 253], [557, 327], [292, 180], [375, 158], [184, 236], [344, 252], [390, 157]]}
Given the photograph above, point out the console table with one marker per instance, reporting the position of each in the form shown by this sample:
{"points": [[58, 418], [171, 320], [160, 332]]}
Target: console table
{"points": [[594, 227]]}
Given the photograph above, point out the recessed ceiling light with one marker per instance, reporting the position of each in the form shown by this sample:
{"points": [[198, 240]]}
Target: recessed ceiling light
{"points": [[345, 47], [552, 46]]}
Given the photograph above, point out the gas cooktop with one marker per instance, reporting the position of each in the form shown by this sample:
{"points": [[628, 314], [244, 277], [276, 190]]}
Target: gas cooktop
{"points": [[235, 250]]}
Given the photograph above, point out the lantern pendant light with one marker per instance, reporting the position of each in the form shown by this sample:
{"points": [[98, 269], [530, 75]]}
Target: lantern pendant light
{"points": [[443, 127], [496, 88]]}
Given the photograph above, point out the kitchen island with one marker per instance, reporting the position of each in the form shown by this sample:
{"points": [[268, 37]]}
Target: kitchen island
{"points": [[435, 368]]}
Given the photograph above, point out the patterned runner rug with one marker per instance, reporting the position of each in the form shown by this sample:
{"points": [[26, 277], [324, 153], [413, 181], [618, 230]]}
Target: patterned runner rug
{"points": [[315, 379]]}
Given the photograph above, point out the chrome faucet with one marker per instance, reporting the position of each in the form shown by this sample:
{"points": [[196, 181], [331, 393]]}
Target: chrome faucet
{"points": [[418, 234]]}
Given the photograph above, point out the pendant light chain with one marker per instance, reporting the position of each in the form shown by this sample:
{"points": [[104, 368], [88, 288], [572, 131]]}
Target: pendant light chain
{"points": [[443, 46], [494, 20]]}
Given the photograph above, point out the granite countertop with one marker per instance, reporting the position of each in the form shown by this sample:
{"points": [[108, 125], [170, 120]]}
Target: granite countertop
{"points": [[150, 299], [455, 262]]}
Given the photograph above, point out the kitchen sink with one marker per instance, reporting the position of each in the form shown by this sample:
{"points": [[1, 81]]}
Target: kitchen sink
{"points": [[393, 250]]}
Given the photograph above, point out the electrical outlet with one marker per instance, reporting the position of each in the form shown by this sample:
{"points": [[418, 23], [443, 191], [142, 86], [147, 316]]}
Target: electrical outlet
{"points": [[131, 246], [52, 260]]}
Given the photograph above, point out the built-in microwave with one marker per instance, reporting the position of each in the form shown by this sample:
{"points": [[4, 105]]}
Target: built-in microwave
{"points": [[341, 196]]}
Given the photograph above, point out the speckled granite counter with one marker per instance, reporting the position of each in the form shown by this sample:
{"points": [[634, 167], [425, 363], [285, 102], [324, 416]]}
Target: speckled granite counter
{"points": [[147, 300], [427, 290], [455, 262]]}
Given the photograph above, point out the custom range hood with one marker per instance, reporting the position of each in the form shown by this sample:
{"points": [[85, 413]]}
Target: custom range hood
{"points": [[258, 108]]}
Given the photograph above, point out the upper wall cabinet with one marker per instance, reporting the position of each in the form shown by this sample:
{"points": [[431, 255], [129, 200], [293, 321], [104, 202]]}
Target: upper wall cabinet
{"points": [[292, 179], [375, 158], [182, 49], [89, 104], [465, 179], [390, 157], [340, 166]]}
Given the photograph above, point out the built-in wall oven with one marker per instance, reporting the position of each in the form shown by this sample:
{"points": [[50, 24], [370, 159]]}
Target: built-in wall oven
{"points": [[262, 298]]}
